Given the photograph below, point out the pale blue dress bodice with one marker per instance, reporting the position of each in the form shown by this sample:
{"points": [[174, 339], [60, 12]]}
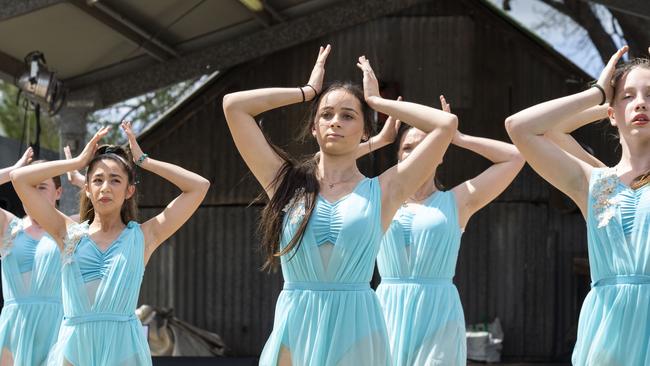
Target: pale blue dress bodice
{"points": [[102, 329], [417, 262], [31, 289], [614, 325], [327, 313]]}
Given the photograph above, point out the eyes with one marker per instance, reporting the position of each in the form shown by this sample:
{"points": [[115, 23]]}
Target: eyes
{"points": [[328, 115], [99, 181]]}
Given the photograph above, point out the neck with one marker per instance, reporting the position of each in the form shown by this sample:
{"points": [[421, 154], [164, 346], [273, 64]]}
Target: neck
{"points": [[635, 158], [425, 190], [337, 168], [108, 222]]}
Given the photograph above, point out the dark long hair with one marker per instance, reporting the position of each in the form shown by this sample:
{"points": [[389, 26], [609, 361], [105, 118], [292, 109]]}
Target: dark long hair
{"points": [[120, 155], [296, 183], [621, 72]]}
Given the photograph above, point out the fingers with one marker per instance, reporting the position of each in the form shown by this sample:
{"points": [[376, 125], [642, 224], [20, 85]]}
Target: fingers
{"points": [[324, 52], [445, 106], [617, 56], [67, 152]]}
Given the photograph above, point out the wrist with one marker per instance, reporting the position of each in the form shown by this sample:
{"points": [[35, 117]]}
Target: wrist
{"points": [[141, 159], [600, 90], [374, 100]]}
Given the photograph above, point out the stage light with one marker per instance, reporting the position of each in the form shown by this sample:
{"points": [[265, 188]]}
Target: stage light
{"points": [[39, 85]]}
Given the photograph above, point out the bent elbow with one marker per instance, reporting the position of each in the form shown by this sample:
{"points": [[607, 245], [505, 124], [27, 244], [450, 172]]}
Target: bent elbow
{"points": [[512, 125]]}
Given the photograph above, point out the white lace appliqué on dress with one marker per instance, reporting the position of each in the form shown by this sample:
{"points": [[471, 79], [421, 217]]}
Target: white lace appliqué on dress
{"points": [[15, 226], [75, 233], [296, 207], [604, 204]]}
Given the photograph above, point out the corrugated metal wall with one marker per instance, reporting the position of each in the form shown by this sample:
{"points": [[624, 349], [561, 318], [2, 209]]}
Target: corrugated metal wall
{"points": [[517, 254]]}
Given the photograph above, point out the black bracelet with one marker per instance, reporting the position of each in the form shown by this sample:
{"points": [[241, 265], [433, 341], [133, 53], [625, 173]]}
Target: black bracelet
{"points": [[314, 89], [602, 91], [303, 94]]}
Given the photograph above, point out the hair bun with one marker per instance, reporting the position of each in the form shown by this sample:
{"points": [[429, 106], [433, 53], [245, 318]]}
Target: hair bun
{"points": [[114, 149]]}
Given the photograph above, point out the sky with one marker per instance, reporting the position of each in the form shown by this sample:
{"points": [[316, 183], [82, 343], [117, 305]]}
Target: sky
{"points": [[570, 39]]}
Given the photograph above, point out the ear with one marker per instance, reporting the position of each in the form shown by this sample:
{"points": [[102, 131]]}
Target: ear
{"points": [[130, 190], [313, 131], [610, 114], [87, 190], [59, 191]]}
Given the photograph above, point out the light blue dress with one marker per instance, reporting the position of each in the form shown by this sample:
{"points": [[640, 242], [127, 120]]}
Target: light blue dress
{"points": [[417, 262], [102, 329], [31, 289], [327, 314], [614, 325]]}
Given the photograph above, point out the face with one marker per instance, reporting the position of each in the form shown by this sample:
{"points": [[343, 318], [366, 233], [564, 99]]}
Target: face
{"points": [[108, 187], [49, 191], [411, 138], [339, 125], [631, 102]]}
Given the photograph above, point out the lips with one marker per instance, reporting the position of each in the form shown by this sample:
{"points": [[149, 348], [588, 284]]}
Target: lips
{"points": [[640, 120], [334, 135], [104, 200]]}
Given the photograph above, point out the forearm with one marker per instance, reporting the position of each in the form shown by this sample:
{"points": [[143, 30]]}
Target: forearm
{"points": [[419, 116], [374, 143], [547, 116], [32, 175], [581, 118], [4, 174], [256, 101], [494, 150], [184, 179]]}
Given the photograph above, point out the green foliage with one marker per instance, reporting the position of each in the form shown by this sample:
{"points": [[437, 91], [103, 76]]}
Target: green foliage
{"points": [[12, 119], [141, 111]]}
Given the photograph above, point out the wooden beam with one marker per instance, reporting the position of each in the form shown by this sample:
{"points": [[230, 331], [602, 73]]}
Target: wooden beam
{"points": [[244, 48]]}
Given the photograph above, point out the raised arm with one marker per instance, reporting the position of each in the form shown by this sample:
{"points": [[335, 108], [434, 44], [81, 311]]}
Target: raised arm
{"points": [[561, 134], [6, 216], [26, 179], [559, 167], [407, 176], [193, 189], [385, 137], [477, 192], [76, 179], [240, 109]]}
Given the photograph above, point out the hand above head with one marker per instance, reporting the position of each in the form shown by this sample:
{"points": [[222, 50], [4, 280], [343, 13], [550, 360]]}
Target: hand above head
{"points": [[318, 72], [136, 151], [447, 108], [370, 83], [26, 158], [88, 152], [75, 178], [390, 130], [605, 78]]}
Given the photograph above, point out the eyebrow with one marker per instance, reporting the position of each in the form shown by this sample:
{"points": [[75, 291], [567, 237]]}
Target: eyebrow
{"points": [[343, 108], [110, 175]]}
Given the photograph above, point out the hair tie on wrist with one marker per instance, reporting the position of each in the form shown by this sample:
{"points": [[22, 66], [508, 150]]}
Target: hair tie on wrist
{"points": [[602, 91], [314, 89], [141, 159], [303, 94]]}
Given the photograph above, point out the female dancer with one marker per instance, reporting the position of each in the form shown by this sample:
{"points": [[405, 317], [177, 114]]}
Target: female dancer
{"points": [[417, 258], [613, 327], [325, 219], [104, 258], [31, 279]]}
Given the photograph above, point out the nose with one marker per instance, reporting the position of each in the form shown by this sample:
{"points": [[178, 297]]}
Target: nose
{"points": [[104, 186], [335, 122], [641, 103]]}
